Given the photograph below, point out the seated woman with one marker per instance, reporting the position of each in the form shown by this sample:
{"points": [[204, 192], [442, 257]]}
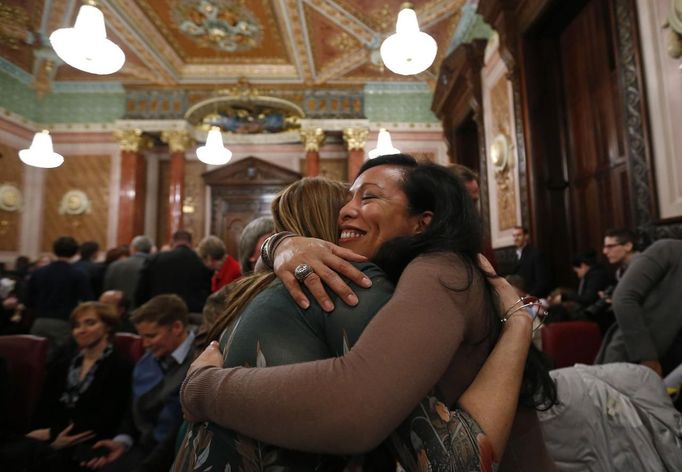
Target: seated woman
{"points": [[436, 330], [95, 391]]}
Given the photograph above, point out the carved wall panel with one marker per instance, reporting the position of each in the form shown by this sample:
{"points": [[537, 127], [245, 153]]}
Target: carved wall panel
{"points": [[162, 203], [193, 207], [12, 174], [89, 175], [502, 157]]}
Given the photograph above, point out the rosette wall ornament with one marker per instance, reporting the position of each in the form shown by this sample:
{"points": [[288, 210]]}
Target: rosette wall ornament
{"points": [[85, 46], [74, 203], [409, 51]]}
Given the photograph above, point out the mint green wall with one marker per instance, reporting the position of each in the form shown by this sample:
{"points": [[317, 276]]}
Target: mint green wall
{"points": [[399, 107], [56, 107]]}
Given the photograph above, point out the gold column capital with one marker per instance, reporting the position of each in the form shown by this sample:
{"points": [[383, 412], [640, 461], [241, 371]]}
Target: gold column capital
{"points": [[355, 138], [177, 140], [312, 138], [130, 139]]}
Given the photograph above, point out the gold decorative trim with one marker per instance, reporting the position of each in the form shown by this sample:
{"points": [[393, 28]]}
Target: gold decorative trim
{"points": [[178, 141], [355, 138], [129, 139], [74, 202], [10, 197], [500, 153], [312, 138]]}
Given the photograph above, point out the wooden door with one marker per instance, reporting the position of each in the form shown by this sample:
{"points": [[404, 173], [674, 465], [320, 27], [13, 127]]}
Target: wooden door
{"points": [[579, 175]]}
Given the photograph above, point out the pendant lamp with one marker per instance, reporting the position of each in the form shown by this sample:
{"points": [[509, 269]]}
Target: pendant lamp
{"points": [[214, 152], [409, 51], [85, 46], [384, 145], [41, 153]]}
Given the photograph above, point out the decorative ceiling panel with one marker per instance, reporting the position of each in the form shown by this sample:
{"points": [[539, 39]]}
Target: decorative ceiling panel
{"points": [[180, 44], [219, 30]]}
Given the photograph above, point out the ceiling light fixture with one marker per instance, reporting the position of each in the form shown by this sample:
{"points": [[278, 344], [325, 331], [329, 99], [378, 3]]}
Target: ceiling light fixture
{"points": [[384, 145], [85, 46], [408, 51], [41, 153], [214, 152]]}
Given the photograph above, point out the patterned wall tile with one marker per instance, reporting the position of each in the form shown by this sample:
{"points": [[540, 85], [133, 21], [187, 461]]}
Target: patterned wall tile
{"points": [[89, 174]]}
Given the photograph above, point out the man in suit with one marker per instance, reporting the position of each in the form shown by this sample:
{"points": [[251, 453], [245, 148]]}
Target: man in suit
{"points": [[155, 414], [647, 304], [530, 264], [124, 274], [179, 271]]}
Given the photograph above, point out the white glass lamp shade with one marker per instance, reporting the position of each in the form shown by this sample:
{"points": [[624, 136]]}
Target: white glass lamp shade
{"points": [[85, 46], [41, 153], [214, 152], [408, 51], [384, 145]]}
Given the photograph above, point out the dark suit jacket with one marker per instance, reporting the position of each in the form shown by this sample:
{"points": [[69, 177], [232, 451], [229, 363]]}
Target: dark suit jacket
{"points": [[55, 290], [179, 271], [124, 275], [533, 268], [597, 278]]}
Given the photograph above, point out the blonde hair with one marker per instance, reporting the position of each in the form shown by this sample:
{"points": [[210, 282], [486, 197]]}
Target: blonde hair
{"points": [[309, 207]]}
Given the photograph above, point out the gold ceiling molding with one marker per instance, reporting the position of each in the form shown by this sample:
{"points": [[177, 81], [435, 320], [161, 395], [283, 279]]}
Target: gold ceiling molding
{"points": [[355, 138], [177, 140], [305, 68], [312, 138]]}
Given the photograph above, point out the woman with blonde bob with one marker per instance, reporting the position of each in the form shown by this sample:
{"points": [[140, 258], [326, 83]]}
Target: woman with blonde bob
{"points": [[264, 327]]}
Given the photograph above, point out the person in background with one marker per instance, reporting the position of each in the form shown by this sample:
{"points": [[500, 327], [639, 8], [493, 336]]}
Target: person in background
{"points": [[225, 268], [215, 305], [116, 299], [251, 241], [154, 416], [567, 304], [89, 252], [530, 264], [646, 303], [179, 271], [124, 274], [54, 291], [94, 389]]}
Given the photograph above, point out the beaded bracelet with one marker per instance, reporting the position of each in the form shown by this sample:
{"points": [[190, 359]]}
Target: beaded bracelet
{"points": [[267, 250]]}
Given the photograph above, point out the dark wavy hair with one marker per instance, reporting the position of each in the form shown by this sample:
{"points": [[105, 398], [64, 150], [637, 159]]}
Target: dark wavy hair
{"points": [[455, 227]]}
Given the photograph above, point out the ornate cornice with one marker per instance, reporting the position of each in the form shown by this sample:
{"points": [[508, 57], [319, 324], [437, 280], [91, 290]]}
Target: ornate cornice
{"points": [[130, 139], [355, 138], [178, 140], [312, 138]]}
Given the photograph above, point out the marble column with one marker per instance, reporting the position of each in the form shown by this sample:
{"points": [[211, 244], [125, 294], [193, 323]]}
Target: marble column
{"points": [[133, 184], [178, 142], [312, 138], [355, 139]]}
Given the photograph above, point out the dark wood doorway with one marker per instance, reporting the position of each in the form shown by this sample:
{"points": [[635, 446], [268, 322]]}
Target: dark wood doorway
{"points": [[577, 142], [241, 192], [466, 144]]}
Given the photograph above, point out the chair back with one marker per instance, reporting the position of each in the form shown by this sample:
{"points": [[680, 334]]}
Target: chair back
{"points": [[25, 356], [571, 342], [129, 346]]}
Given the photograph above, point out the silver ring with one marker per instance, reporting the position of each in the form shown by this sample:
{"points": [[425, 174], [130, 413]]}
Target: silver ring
{"points": [[302, 271]]}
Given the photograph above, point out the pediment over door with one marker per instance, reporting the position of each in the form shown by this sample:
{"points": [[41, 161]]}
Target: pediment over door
{"points": [[241, 192], [250, 171]]}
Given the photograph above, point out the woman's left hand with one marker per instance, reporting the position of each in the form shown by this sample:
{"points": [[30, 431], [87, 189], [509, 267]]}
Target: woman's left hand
{"points": [[63, 439]]}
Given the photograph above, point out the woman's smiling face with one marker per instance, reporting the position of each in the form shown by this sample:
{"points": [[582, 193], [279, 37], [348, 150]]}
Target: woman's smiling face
{"points": [[376, 212]]}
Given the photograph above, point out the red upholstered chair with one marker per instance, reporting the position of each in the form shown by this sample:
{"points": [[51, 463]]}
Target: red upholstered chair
{"points": [[571, 342], [25, 356], [129, 346]]}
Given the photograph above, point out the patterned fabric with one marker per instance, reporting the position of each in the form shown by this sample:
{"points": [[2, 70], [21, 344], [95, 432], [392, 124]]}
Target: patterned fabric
{"points": [[75, 387]]}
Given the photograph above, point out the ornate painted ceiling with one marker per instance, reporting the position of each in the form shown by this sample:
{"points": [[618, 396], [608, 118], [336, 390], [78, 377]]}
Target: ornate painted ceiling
{"points": [[181, 44]]}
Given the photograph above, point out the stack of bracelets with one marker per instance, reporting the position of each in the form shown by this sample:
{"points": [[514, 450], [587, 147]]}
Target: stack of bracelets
{"points": [[527, 303], [267, 250]]}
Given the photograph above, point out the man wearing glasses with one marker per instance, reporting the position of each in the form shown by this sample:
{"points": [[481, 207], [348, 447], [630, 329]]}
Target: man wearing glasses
{"points": [[619, 249]]}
